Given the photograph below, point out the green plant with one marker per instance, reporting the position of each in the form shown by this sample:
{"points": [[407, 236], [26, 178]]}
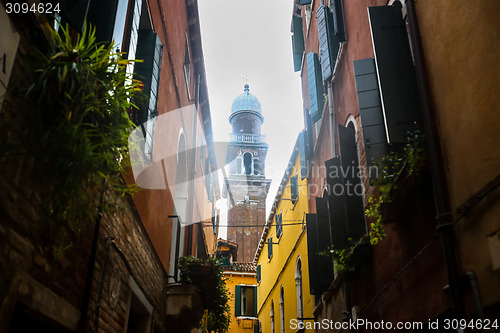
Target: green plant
{"points": [[207, 275], [377, 232], [76, 108]]}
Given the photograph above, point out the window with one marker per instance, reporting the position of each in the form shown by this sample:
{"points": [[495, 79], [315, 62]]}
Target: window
{"points": [[247, 163], [272, 317], [298, 289], [140, 310], [270, 248], [259, 272], [245, 301], [294, 188], [279, 224], [282, 310]]}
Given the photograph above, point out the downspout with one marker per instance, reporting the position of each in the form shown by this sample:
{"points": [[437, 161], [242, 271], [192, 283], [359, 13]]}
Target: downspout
{"points": [[441, 196], [331, 111]]}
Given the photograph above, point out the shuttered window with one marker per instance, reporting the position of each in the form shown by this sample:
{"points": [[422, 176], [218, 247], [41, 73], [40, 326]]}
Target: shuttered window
{"points": [[318, 244], [150, 50], [259, 272], [297, 42], [337, 205], [279, 224], [395, 71], [245, 301], [108, 16], [329, 44], [370, 109], [237, 301], [294, 188], [338, 20], [315, 82], [269, 247]]}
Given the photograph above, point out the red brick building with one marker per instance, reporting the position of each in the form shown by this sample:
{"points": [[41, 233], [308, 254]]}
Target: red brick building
{"points": [[120, 270]]}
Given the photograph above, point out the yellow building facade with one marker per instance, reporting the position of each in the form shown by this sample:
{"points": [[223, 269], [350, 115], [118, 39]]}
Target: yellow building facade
{"points": [[241, 281], [283, 297]]}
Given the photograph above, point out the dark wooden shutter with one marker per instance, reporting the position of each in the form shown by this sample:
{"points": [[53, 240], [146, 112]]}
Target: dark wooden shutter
{"points": [[303, 154], [338, 20], [73, 12], [269, 247], [312, 253], [329, 44], [395, 71], [259, 272], [315, 83], [279, 225], [294, 188], [370, 109], [297, 42], [337, 205], [102, 14], [325, 271], [356, 226], [237, 301]]}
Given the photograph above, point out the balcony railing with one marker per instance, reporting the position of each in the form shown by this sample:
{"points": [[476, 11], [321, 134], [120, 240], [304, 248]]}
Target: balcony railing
{"points": [[247, 138]]}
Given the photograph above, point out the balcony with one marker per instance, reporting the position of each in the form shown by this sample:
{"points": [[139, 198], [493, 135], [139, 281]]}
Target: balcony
{"points": [[247, 138]]}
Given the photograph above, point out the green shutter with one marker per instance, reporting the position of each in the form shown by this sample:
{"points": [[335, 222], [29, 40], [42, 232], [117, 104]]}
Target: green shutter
{"points": [[353, 190], [329, 44], [279, 225], [395, 71], [269, 247], [303, 154], [237, 301], [259, 268], [297, 57], [298, 34], [336, 201], [255, 301], [73, 12], [294, 188], [370, 109], [305, 2], [315, 83]]}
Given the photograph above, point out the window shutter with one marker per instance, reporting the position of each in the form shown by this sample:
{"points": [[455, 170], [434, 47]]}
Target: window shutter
{"points": [[312, 253], [315, 86], [329, 44], [305, 2], [303, 154], [269, 247], [255, 301], [102, 14], [73, 12], [370, 109], [324, 243], [395, 71], [259, 273], [297, 57], [338, 20], [237, 301], [356, 226], [294, 188], [336, 200], [279, 225], [297, 42]]}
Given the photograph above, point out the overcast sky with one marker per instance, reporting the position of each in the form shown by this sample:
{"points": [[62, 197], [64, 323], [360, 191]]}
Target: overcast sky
{"points": [[249, 41]]}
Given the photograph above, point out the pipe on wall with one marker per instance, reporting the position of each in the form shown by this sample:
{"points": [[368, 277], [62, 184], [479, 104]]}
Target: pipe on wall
{"points": [[441, 196]]}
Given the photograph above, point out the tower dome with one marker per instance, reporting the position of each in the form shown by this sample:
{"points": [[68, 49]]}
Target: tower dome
{"points": [[246, 102]]}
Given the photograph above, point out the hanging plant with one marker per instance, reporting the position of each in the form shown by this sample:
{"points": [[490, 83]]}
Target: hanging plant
{"points": [[74, 102]]}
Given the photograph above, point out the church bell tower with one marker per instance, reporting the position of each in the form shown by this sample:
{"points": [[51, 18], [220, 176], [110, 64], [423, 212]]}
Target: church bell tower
{"points": [[247, 187]]}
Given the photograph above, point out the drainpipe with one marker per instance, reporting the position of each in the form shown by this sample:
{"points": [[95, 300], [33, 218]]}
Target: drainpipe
{"points": [[441, 197]]}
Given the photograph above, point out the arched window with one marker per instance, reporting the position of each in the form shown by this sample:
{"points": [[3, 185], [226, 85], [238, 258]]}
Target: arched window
{"points": [[247, 162], [282, 310], [272, 316], [298, 288]]}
